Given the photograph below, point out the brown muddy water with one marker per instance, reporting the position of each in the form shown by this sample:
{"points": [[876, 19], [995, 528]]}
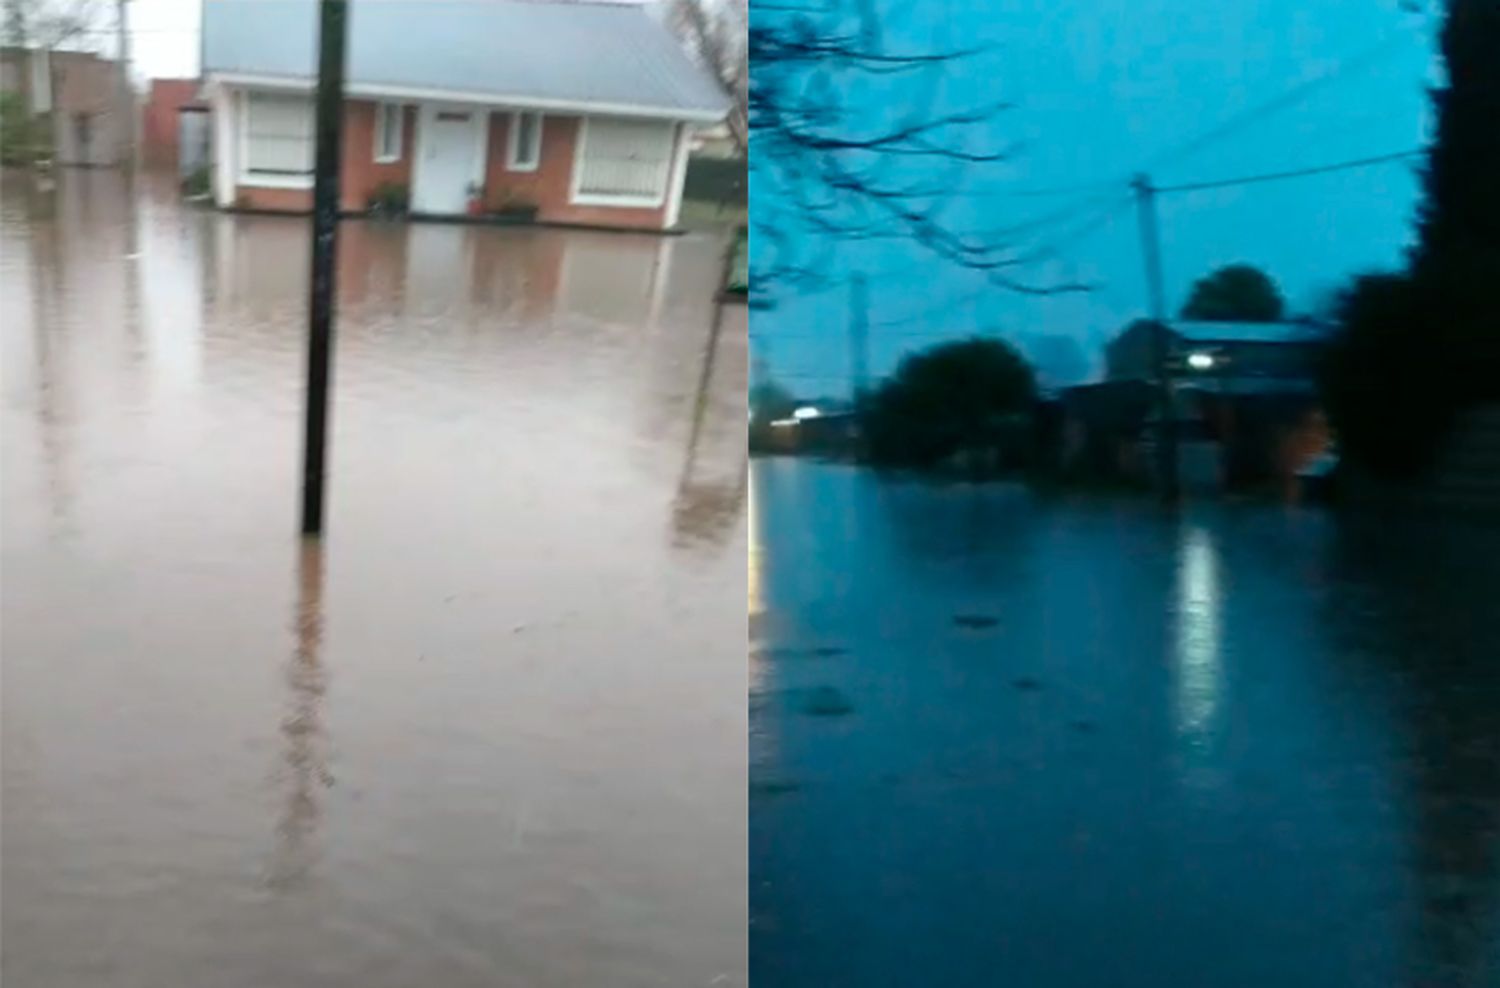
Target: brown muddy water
{"points": [[493, 732]]}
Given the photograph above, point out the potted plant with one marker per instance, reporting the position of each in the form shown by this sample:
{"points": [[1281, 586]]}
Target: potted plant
{"points": [[476, 199]]}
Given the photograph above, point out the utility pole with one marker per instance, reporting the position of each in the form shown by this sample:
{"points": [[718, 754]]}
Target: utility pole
{"points": [[127, 97], [1166, 439], [859, 337], [333, 19]]}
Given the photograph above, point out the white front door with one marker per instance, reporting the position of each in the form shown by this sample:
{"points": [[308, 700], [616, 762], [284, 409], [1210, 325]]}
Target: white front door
{"points": [[450, 156]]}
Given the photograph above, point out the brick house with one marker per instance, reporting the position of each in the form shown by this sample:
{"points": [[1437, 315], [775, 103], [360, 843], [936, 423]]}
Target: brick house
{"points": [[582, 112], [161, 119]]}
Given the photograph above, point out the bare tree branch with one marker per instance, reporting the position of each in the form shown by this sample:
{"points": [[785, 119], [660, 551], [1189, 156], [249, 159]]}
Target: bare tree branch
{"points": [[714, 30], [834, 174]]}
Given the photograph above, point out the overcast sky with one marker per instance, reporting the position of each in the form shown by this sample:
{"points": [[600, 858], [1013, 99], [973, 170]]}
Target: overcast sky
{"points": [[1103, 87]]}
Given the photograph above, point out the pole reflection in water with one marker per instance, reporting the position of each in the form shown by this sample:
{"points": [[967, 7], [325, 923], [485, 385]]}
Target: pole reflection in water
{"points": [[704, 509], [304, 742]]}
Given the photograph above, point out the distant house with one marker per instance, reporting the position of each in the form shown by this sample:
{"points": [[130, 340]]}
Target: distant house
{"points": [[1239, 352], [582, 112], [1246, 399], [172, 111], [80, 93]]}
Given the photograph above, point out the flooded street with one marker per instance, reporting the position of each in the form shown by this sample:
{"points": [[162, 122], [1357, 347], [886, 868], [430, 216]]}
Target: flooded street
{"points": [[1003, 740], [493, 732]]}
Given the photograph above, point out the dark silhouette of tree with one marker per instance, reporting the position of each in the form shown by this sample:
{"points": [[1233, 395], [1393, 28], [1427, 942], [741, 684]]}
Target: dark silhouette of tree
{"points": [[1384, 383], [956, 397], [1456, 262], [829, 163], [1235, 293], [1417, 347]]}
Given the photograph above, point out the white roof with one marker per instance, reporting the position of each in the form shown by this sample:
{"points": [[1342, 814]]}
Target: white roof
{"points": [[1248, 332], [566, 55]]}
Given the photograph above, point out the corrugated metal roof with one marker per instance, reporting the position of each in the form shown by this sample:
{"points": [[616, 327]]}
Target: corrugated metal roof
{"points": [[551, 52], [1248, 332]]}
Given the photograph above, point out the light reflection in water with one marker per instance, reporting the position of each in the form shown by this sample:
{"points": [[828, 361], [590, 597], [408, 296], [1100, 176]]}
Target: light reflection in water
{"points": [[1197, 650]]}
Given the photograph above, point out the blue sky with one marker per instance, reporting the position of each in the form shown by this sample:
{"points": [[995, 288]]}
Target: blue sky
{"points": [[1103, 88]]}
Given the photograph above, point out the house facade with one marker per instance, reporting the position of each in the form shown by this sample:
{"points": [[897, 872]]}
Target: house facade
{"points": [[1247, 405], [576, 113]]}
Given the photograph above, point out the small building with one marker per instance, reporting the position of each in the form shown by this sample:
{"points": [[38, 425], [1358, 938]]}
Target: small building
{"points": [[1247, 406], [579, 113], [171, 125], [82, 97], [1270, 351]]}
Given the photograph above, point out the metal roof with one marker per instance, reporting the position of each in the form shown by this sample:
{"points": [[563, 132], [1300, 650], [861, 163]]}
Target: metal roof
{"points": [[550, 53], [1248, 332]]}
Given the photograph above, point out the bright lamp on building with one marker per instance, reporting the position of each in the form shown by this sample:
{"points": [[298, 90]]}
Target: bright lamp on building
{"points": [[1200, 361]]}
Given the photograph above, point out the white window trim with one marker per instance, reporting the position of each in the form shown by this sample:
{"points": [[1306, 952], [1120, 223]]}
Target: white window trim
{"points": [[380, 107], [253, 180], [513, 142], [578, 198]]}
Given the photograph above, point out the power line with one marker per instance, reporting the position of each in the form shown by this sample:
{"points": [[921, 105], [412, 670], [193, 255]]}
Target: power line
{"points": [[1225, 128], [1290, 97], [1294, 173]]}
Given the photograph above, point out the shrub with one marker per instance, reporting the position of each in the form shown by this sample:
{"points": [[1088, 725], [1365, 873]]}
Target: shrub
{"points": [[23, 138], [389, 199], [196, 183], [969, 397]]}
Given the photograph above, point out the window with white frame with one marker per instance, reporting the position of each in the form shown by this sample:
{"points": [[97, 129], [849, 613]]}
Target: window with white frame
{"points": [[525, 151], [278, 136], [624, 161], [388, 117]]}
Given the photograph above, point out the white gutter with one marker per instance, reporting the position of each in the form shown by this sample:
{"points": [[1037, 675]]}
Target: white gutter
{"points": [[370, 90]]}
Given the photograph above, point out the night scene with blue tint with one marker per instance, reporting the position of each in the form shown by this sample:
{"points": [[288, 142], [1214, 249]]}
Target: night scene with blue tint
{"points": [[1124, 503]]}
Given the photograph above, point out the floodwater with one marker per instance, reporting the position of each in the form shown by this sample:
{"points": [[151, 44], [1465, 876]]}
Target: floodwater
{"points": [[493, 732], [998, 740]]}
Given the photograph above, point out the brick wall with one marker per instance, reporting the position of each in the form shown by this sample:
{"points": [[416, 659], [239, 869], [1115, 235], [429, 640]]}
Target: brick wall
{"points": [[362, 173], [550, 185], [159, 127]]}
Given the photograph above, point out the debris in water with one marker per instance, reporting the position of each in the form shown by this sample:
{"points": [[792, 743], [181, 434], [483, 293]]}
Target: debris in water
{"points": [[825, 701]]}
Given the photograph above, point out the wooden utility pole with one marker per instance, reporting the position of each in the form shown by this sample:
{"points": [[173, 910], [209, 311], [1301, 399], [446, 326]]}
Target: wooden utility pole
{"points": [[859, 337], [333, 21], [1166, 438]]}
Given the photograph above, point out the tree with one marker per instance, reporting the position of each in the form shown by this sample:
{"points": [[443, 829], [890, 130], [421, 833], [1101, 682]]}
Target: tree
{"points": [[1415, 348], [714, 31], [1235, 293], [54, 24], [1456, 263], [966, 396], [830, 169], [1387, 389]]}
